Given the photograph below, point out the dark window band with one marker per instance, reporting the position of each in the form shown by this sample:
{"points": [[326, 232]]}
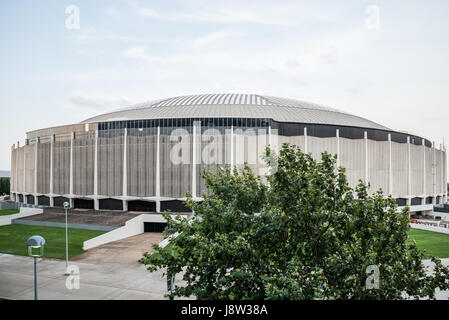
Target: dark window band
{"points": [[283, 128]]}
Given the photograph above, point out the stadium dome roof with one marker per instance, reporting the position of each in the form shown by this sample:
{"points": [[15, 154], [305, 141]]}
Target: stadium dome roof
{"points": [[237, 106]]}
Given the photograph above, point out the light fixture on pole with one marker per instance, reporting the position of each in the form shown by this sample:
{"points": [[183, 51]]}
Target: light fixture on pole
{"points": [[66, 207], [35, 242], [171, 280]]}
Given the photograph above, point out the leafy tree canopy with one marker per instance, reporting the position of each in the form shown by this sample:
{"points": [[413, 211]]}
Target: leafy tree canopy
{"points": [[301, 234], [4, 186]]}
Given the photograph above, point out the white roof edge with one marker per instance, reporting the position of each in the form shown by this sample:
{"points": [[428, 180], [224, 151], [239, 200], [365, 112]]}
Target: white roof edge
{"points": [[219, 105]]}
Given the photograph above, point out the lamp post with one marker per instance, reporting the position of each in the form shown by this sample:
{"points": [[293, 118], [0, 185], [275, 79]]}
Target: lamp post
{"points": [[66, 206], [35, 242], [171, 281]]}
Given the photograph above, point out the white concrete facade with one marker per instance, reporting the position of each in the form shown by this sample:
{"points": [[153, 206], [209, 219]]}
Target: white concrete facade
{"points": [[135, 163]]}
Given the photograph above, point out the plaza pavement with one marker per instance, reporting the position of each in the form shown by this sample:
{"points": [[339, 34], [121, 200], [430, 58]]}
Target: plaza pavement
{"points": [[97, 280], [107, 272]]}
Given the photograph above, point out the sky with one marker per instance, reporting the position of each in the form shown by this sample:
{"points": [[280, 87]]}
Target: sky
{"points": [[387, 61]]}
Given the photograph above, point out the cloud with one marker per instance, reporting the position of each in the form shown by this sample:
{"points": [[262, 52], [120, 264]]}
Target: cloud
{"points": [[227, 12], [292, 63], [353, 90], [92, 35], [140, 53], [215, 36], [113, 12], [292, 59], [97, 102], [217, 16]]}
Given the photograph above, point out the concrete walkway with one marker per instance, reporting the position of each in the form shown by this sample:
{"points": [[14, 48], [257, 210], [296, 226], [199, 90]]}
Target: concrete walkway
{"points": [[97, 280], [125, 252], [108, 272], [101, 276]]}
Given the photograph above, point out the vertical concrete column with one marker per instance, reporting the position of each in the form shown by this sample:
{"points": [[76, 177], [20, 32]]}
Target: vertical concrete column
{"points": [[424, 169], [13, 174], [365, 136], [158, 170], [305, 140], [13, 191], [409, 172], [443, 186], [36, 152], [96, 202], [17, 166], [434, 181], [232, 144], [269, 137], [390, 166], [25, 200], [125, 169], [52, 151], [337, 135], [71, 180], [434, 170], [194, 146], [445, 174]]}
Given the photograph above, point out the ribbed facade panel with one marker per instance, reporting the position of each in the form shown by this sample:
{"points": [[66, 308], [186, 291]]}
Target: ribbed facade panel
{"points": [[352, 158], [318, 145], [378, 165], [293, 140], [84, 163], [213, 150], [176, 162], [445, 171], [20, 165], [400, 169], [43, 167], [196, 159], [13, 170], [110, 164], [30, 156], [61, 166], [429, 171], [255, 141], [438, 171], [141, 162], [417, 170]]}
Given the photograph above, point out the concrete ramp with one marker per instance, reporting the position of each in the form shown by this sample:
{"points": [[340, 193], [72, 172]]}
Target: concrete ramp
{"points": [[24, 212], [131, 228]]}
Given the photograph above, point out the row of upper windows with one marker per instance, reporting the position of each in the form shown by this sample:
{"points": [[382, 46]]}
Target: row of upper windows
{"points": [[184, 122], [284, 129]]}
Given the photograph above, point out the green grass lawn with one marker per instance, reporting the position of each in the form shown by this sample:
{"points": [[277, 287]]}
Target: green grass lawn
{"points": [[13, 240], [8, 212], [434, 243]]}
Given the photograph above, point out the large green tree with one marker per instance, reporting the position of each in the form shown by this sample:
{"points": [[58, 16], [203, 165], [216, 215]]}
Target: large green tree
{"points": [[303, 233], [4, 186]]}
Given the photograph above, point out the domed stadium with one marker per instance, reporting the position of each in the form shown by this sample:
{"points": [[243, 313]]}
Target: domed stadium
{"points": [[146, 157]]}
